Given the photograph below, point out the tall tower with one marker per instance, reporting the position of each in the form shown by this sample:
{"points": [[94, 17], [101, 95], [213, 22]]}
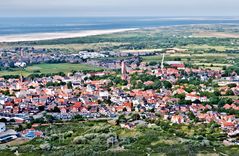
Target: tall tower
{"points": [[21, 53], [20, 65], [162, 70], [162, 66], [123, 71]]}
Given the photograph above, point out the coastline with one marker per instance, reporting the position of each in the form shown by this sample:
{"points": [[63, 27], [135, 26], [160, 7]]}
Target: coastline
{"points": [[58, 35]]}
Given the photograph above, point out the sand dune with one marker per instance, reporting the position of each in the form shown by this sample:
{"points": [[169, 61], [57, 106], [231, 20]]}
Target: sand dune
{"points": [[51, 36]]}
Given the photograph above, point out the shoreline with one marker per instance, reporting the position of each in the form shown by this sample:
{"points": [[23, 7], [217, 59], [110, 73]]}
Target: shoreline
{"points": [[58, 35]]}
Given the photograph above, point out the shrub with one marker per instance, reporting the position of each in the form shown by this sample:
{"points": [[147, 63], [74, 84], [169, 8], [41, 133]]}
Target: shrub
{"points": [[90, 136], [54, 137], [45, 146], [80, 140], [68, 134]]}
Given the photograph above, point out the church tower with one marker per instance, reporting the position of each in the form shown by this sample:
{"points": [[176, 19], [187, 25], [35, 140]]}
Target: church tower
{"points": [[123, 71]]}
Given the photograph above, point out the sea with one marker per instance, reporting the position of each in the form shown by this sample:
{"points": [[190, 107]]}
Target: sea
{"points": [[29, 25]]}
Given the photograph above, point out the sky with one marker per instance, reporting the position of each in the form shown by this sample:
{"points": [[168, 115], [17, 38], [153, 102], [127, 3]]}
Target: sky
{"points": [[94, 8]]}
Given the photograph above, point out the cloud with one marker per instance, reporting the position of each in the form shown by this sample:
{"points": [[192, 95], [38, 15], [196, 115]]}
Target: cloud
{"points": [[119, 7]]}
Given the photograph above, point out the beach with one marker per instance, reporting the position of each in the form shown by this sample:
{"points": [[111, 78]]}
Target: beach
{"points": [[58, 35]]}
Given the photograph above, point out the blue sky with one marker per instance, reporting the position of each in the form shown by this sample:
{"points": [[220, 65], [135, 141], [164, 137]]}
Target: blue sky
{"points": [[119, 8]]}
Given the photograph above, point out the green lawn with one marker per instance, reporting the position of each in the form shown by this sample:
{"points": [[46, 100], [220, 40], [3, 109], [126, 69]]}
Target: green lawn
{"points": [[204, 60], [50, 68], [207, 47]]}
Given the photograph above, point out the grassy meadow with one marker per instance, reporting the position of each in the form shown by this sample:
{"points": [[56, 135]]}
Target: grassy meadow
{"points": [[49, 68]]}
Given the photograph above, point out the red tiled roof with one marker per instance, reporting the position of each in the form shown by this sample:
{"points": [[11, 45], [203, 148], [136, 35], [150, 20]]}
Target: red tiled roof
{"points": [[228, 124]]}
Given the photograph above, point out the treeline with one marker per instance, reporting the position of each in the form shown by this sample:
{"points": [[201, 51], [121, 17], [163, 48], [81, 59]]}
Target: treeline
{"points": [[138, 82], [40, 75], [33, 76], [234, 51], [115, 80], [231, 69]]}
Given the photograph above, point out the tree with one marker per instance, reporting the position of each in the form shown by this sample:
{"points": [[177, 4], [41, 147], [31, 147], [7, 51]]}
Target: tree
{"points": [[56, 109], [135, 116], [180, 96], [41, 108], [69, 85], [177, 59], [49, 118], [232, 85], [224, 101], [79, 117], [167, 84], [12, 120], [224, 68], [19, 128], [214, 100], [185, 102], [192, 117], [122, 118], [3, 120], [153, 63], [217, 93], [229, 92]]}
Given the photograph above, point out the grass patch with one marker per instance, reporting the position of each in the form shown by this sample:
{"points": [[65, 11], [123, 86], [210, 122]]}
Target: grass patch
{"points": [[207, 47], [50, 68]]}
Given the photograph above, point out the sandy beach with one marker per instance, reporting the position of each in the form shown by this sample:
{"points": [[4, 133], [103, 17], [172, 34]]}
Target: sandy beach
{"points": [[61, 35]]}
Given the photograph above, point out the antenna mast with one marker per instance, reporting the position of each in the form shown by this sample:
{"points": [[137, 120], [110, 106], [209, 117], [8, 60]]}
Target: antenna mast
{"points": [[162, 66]]}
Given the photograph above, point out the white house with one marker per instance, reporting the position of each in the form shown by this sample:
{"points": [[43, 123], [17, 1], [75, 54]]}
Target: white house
{"points": [[104, 94], [2, 100], [20, 64]]}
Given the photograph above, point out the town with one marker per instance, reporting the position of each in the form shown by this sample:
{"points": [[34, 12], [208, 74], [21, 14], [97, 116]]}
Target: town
{"points": [[119, 78], [23, 56], [169, 90]]}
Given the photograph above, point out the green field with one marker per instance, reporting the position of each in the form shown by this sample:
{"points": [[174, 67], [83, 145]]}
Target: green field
{"points": [[207, 47], [50, 68], [204, 60]]}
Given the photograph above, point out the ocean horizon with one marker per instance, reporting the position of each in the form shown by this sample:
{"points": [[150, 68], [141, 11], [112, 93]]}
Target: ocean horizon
{"points": [[30, 25]]}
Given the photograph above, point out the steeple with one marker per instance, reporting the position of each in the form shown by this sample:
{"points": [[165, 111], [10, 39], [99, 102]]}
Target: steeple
{"points": [[123, 71]]}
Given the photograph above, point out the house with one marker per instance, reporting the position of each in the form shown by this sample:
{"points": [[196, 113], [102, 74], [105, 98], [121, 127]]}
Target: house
{"points": [[180, 91], [3, 99], [178, 66], [104, 94], [227, 125], [31, 133], [148, 83], [227, 106], [203, 99], [63, 110], [178, 119], [133, 124], [76, 107], [232, 106], [193, 97], [90, 88]]}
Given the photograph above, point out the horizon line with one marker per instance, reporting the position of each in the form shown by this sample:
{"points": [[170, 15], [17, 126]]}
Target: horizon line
{"points": [[231, 16]]}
